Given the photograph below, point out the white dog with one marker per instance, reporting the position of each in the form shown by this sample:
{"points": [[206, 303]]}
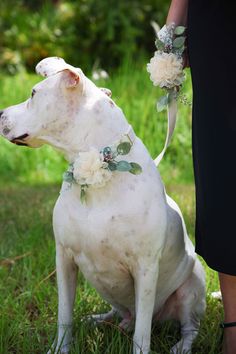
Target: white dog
{"points": [[128, 238]]}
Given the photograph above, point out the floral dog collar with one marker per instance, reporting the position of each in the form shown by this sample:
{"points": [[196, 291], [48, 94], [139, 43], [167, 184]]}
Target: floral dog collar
{"points": [[95, 168]]}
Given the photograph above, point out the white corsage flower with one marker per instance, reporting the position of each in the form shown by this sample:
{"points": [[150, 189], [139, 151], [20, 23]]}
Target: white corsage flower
{"points": [[166, 70], [90, 169]]}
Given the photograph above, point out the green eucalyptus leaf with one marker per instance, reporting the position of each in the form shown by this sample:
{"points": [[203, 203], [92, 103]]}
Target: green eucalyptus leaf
{"points": [[124, 148], [136, 168], [123, 166], [112, 166], [68, 177], [181, 49], [162, 103], [159, 44], [178, 42], [179, 30]]}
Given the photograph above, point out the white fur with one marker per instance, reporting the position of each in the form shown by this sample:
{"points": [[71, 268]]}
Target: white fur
{"points": [[129, 239]]}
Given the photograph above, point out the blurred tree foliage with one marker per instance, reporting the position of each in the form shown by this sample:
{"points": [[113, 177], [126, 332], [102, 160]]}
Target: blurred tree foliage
{"points": [[84, 32]]}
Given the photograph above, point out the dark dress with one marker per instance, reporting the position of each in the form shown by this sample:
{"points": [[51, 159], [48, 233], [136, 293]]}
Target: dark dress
{"points": [[211, 45]]}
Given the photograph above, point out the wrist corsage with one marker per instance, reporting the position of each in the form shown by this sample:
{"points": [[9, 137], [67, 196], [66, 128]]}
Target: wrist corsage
{"points": [[166, 67]]}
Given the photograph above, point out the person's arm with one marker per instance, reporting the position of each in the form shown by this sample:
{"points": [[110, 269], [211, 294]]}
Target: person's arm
{"points": [[178, 12]]}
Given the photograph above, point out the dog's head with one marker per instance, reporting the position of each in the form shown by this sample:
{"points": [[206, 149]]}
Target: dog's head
{"points": [[52, 107]]}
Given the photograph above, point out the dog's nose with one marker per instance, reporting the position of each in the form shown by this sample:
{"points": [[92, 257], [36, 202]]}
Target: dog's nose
{"points": [[1, 113]]}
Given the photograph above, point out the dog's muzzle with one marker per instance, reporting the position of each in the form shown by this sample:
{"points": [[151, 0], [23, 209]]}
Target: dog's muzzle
{"points": [[19, 140]]}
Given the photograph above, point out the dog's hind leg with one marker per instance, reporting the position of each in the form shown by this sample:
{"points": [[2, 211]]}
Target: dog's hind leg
{"points": [[189, 331], [191, 307], [66, 280], [145, 293]]}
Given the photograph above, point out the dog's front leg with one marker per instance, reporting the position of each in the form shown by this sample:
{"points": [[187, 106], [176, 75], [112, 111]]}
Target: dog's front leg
{"points": [[145, 293], [66, 281]]}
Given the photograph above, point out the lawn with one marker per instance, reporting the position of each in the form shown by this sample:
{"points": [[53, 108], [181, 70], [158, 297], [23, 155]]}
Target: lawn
{"points": [[29, 186]]}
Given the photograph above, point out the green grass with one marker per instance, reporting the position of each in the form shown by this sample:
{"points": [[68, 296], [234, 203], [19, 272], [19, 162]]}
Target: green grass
{"points": [[29, 186]]}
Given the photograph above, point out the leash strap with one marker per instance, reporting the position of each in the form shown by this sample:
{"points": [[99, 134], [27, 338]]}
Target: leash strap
{"points": [[172, 115]]}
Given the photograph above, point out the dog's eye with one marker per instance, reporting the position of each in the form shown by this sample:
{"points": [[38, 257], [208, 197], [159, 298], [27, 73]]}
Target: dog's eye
{"points": [[33, 93]]}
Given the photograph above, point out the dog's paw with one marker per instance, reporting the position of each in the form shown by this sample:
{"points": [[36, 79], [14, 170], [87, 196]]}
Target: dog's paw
{"points": [[100, 318], [97, 320], [127, 325], [179, 348]]}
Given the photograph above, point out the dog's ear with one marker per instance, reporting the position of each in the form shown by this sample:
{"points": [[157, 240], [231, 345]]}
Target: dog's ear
{"points": [[50, 66], [53, 65], [70, 78]]}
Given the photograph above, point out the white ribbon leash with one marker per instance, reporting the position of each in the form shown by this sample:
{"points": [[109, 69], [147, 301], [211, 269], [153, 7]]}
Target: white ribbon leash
{"points": [[172, 114], [171, 121]]}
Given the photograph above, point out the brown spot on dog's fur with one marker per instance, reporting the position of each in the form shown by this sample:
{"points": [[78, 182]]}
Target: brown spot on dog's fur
{"points": [[111, 103]]}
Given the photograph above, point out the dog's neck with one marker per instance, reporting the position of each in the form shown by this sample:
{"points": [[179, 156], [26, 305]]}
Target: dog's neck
{"points": [[96, 122]]}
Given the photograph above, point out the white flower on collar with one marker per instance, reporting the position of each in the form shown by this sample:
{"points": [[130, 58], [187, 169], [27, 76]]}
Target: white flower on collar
{"points": [[90, 169]]}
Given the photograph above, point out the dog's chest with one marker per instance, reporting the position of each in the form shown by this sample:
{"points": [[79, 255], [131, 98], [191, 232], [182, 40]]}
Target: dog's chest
{"points": [[115, 218], [106, 237], [102, 253], [101, 237]]}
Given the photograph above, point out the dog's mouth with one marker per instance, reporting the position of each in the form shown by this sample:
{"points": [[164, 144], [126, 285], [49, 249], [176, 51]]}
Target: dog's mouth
{"points": [[19, 140]]}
